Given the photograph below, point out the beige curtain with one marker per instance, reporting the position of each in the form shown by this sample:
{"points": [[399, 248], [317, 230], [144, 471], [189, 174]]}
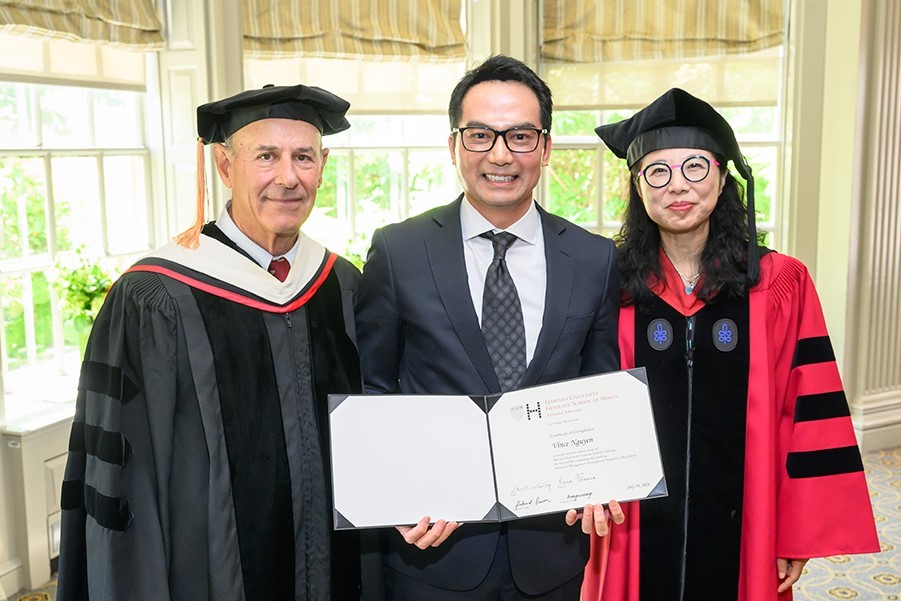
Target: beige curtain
{"points": [[130, 24], [592, 31], [374, 30]]}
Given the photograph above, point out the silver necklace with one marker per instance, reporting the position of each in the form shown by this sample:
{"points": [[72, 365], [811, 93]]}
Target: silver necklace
{"points": [[689, 282]]}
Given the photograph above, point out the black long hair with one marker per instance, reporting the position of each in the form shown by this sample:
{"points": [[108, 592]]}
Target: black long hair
{"points": [[724, 258]]}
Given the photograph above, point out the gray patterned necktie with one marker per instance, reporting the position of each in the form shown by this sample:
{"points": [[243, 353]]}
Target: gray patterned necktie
{"points": [[502, 322]]}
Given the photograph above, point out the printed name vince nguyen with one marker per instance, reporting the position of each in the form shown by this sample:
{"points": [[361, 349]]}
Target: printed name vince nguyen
{"points": [[575, 442]]}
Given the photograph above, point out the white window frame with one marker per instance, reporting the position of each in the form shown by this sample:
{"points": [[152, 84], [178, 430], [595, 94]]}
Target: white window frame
{"points": [[28, 264]]}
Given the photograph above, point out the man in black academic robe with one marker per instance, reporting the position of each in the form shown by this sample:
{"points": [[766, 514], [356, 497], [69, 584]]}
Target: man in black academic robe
{"points": [[198, 460]]}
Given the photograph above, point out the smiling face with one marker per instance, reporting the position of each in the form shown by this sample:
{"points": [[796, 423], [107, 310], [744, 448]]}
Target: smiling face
{"points": [[274, 168], [499, 184], [681, 207]]}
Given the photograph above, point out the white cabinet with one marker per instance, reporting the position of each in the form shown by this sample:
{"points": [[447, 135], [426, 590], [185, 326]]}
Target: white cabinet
{"points": [[37, 463]]}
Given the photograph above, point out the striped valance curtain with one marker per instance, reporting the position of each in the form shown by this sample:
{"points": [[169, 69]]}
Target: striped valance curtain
{"points": [[593, 31], [374, 30], [130, 24]]}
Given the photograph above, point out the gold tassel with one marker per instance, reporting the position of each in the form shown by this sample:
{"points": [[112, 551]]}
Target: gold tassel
{"points": [[190, 238]]}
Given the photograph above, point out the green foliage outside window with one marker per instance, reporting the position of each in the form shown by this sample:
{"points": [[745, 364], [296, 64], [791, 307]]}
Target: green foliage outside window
{"points": [[15, 316], [572, 185], [81, 284], [24, 215], [23, 233]]}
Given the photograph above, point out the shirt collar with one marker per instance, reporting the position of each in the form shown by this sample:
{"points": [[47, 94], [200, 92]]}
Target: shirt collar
{"points": [[225, 223], [473, 224]]}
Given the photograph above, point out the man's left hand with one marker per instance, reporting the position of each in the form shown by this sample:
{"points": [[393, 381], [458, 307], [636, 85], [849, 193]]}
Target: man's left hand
{"points": [[596, 517]]}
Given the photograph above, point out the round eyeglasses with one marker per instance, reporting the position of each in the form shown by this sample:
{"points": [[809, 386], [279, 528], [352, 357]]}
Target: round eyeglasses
{"points": [[694, 169], [482, 139]]}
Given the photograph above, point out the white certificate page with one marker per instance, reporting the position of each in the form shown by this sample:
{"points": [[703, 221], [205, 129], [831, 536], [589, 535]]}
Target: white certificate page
{"points": [[397, 458], [570, 443]]}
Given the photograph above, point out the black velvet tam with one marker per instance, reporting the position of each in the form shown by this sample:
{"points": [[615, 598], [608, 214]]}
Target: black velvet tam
{"points": [[675, 120], [679, 120], [217, 121]]}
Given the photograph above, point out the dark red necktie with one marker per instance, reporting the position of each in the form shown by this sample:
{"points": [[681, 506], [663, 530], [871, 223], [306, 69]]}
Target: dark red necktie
{"points": [[279, 268]]}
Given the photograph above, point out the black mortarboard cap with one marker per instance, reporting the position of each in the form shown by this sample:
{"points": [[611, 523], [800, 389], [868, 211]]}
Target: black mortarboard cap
{"points": [[679, 120], [217, 121]]}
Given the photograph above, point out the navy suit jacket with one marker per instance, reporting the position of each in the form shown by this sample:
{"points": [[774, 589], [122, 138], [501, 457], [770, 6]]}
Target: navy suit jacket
{"points": [[418, 332]]}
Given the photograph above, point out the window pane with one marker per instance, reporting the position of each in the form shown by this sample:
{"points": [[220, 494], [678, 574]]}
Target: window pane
{"points": [[616, 189], [433, 181], [27, 323], [125, 182], [22, 193], [43, 322], [762, 160], [394, 131], [378, 179], [14, 319], [371, 131], [571, 185], [76, 194], [751, 119], [575, 123], [16, 116], [328, 223], [118, 123], [65, 115]]}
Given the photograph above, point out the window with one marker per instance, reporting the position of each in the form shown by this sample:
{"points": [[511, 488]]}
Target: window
{"points": [[393, 162], [381, 170], [74, 188], [587, 184]]}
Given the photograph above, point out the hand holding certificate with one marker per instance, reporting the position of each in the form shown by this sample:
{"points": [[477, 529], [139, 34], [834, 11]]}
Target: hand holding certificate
{"points": [[539, 450]]}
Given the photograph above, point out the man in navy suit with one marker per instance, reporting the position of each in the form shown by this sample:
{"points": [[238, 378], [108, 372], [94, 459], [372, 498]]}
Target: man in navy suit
{"points": [[422, 329]]}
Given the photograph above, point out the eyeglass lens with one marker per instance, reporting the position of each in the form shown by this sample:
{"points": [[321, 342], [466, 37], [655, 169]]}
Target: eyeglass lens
{"points": [[482, 139], [694, 169]]}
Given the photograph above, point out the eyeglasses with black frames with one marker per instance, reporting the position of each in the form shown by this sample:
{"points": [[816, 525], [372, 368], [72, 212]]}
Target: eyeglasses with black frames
{"points": [[482, 139], [694, 169]]}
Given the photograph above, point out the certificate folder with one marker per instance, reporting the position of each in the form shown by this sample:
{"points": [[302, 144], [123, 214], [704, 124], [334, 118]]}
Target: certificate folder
{"points": [[545, 449]]}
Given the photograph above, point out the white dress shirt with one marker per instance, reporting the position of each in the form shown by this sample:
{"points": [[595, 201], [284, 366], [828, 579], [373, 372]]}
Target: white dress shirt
{"points": [[259, 254], [525, 261]]}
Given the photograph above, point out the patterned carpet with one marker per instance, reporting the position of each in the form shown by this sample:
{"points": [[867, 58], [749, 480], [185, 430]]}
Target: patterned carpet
{"points": [[874, 577]]}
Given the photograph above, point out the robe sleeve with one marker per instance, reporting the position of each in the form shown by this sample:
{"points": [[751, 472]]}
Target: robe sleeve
{"points": [[349, 280], [114, 518], [612, 571], [822, 503]]}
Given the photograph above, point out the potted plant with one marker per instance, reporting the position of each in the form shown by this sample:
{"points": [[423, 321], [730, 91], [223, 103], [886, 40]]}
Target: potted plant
{"points": [[81, 284]]}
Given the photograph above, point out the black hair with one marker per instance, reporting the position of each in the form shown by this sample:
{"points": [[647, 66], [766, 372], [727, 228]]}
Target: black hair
{"points": [[724, 259], [501, 68]]}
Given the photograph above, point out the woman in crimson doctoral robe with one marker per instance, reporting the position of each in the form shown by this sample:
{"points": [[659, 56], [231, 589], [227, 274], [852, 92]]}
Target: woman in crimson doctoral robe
{"points": [[762, 466]]}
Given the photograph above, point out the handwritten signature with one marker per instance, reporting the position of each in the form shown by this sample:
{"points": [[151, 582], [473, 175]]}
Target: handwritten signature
{"points": [[579, 477], [529, 487], [522, 503], [575, 496]]}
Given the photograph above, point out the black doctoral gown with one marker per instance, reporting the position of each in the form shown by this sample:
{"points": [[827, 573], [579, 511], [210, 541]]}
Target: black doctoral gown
{"points": [[198, 459]]}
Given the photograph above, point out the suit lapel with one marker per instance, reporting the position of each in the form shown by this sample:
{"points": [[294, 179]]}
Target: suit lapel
{"points": [[556, 300], [445, 253]]}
